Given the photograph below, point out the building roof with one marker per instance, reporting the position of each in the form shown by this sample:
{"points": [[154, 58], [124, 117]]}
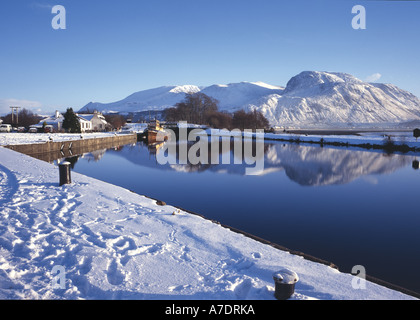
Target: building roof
{"points": [[89, 117], [58, 117], [82, 119]]}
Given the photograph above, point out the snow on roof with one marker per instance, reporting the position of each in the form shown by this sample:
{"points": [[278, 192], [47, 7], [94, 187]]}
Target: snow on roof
{"points": [[52, 120], [56, 118], [87, 117]]}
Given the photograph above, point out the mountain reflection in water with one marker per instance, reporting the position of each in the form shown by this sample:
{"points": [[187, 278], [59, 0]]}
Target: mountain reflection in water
{"points": [[305, 165]]}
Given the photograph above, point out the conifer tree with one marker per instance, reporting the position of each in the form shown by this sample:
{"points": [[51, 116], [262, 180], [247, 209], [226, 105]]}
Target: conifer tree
{"points": [[71, 123]]}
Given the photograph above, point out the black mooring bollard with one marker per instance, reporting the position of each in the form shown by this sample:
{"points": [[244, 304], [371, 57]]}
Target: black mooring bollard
{"points": [[65, 176], [285, 281]]}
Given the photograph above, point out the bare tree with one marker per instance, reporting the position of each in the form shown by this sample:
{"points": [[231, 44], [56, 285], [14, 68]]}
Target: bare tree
{"points": [[219, 120], [117, 121], [249, 120], [26, 118], [199, 108], [195, 108]]}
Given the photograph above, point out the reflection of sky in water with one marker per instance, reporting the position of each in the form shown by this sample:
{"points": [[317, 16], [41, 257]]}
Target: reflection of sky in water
{"points": [[345, 206]]}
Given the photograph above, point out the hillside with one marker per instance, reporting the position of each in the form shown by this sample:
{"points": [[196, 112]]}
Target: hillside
{"points": [[337, 99], [153, 99]]}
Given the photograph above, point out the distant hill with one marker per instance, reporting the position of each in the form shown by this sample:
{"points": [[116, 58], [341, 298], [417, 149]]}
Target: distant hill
{"points": [[310, 99], [148, 100]]}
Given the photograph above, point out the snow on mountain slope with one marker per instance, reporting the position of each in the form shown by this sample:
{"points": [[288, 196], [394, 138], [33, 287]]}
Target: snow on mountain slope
{"points": [[310, 99], [231, 97], [337, 99], [152, 99], [235, 96]]}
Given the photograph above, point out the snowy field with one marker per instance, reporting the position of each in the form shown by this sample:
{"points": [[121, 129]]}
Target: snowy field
{"points": [[110, 243]]}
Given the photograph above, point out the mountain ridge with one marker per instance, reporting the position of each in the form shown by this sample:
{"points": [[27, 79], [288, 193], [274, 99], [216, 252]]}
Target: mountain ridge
{"points": [[311, 99]]}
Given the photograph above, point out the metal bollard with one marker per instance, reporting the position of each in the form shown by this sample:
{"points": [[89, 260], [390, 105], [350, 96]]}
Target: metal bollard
{"points": [[285, 281], [65, 176]]}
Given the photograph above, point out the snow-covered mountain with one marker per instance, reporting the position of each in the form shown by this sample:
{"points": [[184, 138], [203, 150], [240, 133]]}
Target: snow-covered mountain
{"points": [[337, 99], [237, 96], [310, 99], [153, 99], [231, 97]]}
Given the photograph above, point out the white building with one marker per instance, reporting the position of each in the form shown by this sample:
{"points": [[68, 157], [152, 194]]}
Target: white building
{"points": [[85, 125], [97, 120], [88, 122]]}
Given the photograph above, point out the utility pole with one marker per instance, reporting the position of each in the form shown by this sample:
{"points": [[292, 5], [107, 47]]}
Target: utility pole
{"points": [[15, 110]]}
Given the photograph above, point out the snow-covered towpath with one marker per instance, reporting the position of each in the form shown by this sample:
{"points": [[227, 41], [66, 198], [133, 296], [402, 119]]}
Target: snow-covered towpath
{"points": [[110, 243]]}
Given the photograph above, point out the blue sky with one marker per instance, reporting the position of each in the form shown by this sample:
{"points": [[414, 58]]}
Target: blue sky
{"points": [[111, 49]]}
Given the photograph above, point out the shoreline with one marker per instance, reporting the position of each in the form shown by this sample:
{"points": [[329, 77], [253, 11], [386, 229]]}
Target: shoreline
{"points": [[385, 143], [333, 137], [293, 252], [390, 147], [343, 131]]}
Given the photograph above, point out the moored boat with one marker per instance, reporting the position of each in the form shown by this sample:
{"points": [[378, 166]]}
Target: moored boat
{"points": [[155, 132]]}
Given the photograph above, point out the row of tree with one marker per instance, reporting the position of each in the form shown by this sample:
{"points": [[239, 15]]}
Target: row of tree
{"points": [[198, 108], [24, 118]]}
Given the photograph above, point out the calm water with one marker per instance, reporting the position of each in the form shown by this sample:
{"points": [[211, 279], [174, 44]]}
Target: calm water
{"points": [[345, 206]]}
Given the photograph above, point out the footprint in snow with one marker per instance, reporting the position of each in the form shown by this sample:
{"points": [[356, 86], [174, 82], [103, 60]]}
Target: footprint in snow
{"points": [[114, 276], [256, 255], [85, 265], [242, 289]]}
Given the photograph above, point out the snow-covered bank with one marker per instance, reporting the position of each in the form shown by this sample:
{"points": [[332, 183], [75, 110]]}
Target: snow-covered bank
{"points": [[114, 244], [31, 138], [372, 139], [396, 141]]}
